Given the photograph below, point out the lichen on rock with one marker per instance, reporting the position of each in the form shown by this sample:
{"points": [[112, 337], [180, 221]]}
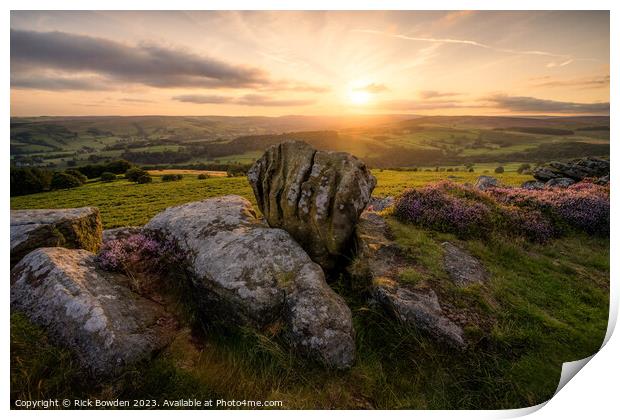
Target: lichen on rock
{"points": [[69, 228], [88, 310], [316, 196], [247, 273]]}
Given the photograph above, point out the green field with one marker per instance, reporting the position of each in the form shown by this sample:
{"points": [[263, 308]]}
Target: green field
{"points": [[124, 203], [545, 304]]}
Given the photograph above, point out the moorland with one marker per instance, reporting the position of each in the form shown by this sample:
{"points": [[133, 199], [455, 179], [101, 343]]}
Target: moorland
{"points": [[546, 301]]}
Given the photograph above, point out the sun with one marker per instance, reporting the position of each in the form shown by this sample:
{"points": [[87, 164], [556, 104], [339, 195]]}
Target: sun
{"points": [[359, 97]]}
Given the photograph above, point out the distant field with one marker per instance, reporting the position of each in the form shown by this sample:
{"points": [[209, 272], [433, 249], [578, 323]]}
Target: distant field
{"points": [[386, 142], [123, 203], [158, 172]]}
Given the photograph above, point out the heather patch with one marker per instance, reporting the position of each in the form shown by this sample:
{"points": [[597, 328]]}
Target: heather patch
{"points": [[537, 215], [140, 256], [583, 206], [435, 207]]}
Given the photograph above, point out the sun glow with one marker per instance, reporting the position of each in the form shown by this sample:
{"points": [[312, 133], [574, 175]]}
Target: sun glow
{"points": [[359, 97]]}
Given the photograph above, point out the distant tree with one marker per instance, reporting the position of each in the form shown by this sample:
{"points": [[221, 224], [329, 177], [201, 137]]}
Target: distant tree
{"points": [[144, 179], [471, 169], [79, 175], [29, 180], [118, 166], [203, 176], [171, 177], [108, 177], [133, 174], [63, 181], [499, 170], [71, 163]]}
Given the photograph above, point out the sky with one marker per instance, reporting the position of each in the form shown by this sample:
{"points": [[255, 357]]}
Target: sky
{"points": [[275, 63]]}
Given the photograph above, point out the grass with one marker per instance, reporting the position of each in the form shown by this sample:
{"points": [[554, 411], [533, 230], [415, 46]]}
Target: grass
{"points": [[544, 305], [159, 172], [123, 203]]}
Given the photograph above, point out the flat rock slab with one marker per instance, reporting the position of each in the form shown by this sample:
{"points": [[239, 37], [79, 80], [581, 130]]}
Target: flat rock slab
{"points": [[90, 311], [462, 268], [382, 261], [418, 307], [69, 228], [316, 196], [247, 273]]}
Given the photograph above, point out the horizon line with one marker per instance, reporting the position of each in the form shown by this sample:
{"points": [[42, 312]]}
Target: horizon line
{"points": [[318, 115]]}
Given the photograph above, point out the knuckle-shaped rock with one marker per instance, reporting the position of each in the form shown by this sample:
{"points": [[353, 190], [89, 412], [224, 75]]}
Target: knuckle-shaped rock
{"points": [[316, 196]]}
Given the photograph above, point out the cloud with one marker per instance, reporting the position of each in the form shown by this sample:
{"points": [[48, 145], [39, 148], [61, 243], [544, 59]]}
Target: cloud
{"points": [[54, 82], [430, 94], [147, 64], [136, 100], [561, 64], [566, 57], [292, 86], [373, 88], [583, 83], [537, 105], [412, 105], [204, 99], [248, 100], [452, 18]]}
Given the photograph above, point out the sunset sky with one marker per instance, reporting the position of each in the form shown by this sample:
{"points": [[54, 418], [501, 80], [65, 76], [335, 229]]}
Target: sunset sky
{"points": [[309, 63]]}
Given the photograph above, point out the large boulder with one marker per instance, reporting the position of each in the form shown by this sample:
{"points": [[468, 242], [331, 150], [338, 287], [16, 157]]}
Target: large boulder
{"points": [[250, 274], [378, 265], [69, 228], [92, 312], [316, 196]]}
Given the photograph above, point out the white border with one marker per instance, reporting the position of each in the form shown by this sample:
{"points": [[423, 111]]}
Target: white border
{"points": [[592, 394]]}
